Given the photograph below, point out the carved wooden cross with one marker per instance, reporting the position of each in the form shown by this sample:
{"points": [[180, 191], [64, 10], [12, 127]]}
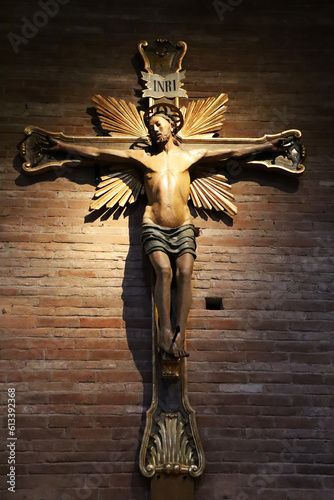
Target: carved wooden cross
{"points": [[171, 452]]}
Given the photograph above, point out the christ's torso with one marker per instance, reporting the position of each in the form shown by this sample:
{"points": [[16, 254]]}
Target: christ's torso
{"points": [[167, 185]]}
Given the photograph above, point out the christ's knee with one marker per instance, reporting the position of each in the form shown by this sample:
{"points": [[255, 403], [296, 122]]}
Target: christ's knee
{"points": [[184, 271], [164, 273]]}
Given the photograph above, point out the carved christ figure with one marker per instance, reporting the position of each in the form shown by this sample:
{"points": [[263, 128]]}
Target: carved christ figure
{"points": [[168, 231]]}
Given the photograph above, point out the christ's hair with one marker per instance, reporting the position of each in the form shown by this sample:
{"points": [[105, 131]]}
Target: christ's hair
{"points": [[167, 117]]}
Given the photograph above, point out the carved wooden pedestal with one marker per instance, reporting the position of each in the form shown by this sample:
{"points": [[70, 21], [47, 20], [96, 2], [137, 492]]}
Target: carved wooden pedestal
{"points": [[171, 452]]}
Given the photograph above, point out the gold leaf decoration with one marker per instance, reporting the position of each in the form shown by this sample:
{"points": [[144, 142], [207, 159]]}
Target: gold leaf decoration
{"points": [[121, 186], [120, 117], [171, 449], [203, 117], [211, 192]]}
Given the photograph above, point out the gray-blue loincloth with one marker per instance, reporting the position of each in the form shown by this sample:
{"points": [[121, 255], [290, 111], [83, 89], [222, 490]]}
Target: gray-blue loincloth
{"points": [[174, 241]]}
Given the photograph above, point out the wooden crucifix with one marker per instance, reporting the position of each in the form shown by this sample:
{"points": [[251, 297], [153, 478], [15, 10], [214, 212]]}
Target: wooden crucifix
{"points": [[169, 153]]}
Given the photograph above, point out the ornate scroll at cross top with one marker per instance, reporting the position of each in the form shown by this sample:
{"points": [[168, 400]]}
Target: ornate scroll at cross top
{"points": [[163, 69], [144, 150]]}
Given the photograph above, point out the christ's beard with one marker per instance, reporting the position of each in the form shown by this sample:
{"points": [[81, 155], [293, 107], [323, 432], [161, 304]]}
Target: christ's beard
{"points": [[163, 137]]}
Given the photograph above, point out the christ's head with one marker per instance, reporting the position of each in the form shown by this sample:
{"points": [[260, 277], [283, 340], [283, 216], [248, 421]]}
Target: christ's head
{"points": [[161, 128]]}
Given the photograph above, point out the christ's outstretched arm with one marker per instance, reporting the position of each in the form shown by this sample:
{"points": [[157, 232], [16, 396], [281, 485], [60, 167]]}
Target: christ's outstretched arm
{"points": [[103, 155], [270, 148]]}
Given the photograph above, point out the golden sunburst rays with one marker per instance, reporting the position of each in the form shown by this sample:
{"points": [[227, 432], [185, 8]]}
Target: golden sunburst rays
{"points": [[120, 118], [118, 187], [122, 187], [203, 117], [213, 193]]}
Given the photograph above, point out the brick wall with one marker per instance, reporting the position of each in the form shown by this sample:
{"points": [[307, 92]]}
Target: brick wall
{"points": [[75, 297]]}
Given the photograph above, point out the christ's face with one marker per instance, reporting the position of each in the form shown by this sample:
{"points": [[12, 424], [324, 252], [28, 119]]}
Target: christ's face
{"points": [[160, 129]]}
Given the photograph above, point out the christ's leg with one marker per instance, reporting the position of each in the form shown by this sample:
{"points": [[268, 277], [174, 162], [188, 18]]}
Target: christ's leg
{"points": [[184, 269], [164, 274]]}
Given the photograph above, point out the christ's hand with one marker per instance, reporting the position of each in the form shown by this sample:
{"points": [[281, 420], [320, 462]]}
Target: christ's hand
{"points": [[47, 143]]}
